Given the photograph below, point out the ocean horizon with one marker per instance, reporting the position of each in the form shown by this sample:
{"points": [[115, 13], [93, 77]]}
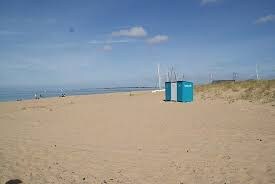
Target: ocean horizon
{"points": [[14, 94]]}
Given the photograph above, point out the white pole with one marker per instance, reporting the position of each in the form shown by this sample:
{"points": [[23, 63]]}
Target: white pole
{"points": [[159, 77], [257, 72], [210, 78]]}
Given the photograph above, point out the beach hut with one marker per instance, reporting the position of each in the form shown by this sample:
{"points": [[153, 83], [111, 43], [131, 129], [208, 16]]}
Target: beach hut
{"points": [[167, 91], [184, 91], [180, 91]]}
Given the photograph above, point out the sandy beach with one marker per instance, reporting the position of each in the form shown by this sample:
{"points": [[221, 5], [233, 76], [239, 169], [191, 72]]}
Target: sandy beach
{"points": [[137, 138]]}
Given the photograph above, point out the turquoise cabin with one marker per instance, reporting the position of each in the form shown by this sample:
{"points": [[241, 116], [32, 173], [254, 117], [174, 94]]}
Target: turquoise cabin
{"points": [[180, 91], [184, 91], [167, 91]]}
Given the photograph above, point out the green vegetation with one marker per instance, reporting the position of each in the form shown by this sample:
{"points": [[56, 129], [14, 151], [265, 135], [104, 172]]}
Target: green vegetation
{"points": [[262, 91]]}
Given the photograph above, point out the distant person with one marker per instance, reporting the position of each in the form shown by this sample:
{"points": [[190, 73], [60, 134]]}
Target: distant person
{"points": [[62, 95], [36, 97]]}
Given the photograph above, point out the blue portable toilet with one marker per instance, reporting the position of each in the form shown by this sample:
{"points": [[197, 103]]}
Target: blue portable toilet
{"points": [[184, 91], [167, 91]]}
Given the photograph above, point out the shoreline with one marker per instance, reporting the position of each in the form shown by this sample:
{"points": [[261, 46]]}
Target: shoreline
{"points": [[84, 94]]}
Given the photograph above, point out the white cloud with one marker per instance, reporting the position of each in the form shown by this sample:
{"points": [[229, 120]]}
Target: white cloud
{"points": [[132, 32], [265, 19], [157, 39], [118, 41], [107, 48], [109, 41], [204, 2]]}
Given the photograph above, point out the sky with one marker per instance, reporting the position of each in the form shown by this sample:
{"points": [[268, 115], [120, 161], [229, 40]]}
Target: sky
{"points": [[106, 43]]}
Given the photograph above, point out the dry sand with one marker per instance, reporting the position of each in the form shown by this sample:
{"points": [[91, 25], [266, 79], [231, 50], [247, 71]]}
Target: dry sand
{"points": [[118, 138]]}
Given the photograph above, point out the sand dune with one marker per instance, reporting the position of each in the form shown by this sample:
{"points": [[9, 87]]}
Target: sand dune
{"points": [[138, 138]]}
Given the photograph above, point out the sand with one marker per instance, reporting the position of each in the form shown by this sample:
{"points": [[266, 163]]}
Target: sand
{"points": [[138, 138]]}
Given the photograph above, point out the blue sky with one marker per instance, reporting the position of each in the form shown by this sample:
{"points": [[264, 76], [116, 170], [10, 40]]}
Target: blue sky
{"points": [[120, 42]]}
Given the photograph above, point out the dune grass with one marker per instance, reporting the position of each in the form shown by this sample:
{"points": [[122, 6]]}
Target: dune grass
{"points": [[262, 91]]}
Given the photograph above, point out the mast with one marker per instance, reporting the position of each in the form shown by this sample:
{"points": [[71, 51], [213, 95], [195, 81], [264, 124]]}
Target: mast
{"points": [[159, 78]]}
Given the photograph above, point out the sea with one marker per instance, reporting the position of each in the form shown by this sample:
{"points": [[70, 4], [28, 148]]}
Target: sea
{"points": [[13, 94]]}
